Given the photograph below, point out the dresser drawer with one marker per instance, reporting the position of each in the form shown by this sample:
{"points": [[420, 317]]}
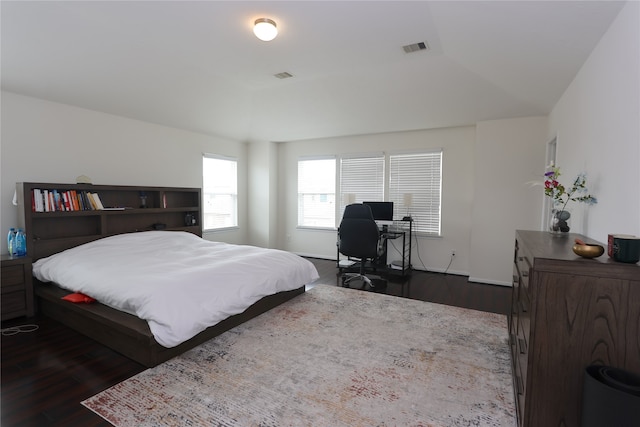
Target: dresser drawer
{"points": [[521, 399], [524, 326], [515, 288], [519, 387], [524, 265], [522, 346]]}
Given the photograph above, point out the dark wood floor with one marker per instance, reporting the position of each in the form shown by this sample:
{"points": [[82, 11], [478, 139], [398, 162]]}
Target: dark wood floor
{"points": [[48, 372]]}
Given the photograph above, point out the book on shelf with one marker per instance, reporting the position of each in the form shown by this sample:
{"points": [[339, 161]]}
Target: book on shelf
{"points": [[64, 200], [74, 200], [36, 200], [97, 202], [91, 200], [45, 199], [84, 202], [57, 202]]}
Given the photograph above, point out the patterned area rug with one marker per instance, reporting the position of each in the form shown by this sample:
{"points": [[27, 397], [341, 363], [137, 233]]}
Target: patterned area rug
{"points": [[331, 357]]}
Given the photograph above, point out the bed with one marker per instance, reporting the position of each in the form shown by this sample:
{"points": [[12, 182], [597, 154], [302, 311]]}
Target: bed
{"points": [[141, 313], [66, 238]]}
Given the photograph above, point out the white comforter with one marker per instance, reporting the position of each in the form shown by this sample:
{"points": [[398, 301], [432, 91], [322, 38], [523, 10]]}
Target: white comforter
{"points": [[180, 283]]}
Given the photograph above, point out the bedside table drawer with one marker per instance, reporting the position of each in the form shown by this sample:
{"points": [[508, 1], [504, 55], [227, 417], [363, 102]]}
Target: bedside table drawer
{"points": [[13, 302], [16, 287], [12, 275]]}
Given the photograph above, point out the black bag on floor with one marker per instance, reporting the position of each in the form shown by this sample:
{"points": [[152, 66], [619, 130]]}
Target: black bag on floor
{"points": [[611, 397]]}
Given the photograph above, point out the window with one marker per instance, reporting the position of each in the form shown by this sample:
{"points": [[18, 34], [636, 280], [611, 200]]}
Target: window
{"points": [[317, 192], [412, 181], [219, 192], [415, 184], [361, 179]]}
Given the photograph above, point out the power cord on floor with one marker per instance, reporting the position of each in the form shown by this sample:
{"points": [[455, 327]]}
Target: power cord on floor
{"points": [[14, 330], [450, 261], [417, 245]]}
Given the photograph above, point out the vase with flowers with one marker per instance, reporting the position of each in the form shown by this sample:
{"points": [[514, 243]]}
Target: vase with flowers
{"points": [[561, 196]]}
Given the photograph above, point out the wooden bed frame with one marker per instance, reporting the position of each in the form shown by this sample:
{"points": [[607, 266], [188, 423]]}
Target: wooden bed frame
{"points": [[131, 336], [168, 208]]}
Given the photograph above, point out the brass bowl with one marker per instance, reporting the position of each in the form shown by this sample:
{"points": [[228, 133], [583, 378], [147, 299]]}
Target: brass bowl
{"points": [[588, 251]]}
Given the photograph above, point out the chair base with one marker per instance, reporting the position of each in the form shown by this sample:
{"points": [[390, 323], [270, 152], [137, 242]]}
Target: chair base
{"points": [[368, 283]]}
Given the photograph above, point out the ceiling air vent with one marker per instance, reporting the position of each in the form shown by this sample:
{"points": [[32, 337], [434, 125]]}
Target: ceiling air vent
{"points": [[283, 75], [415, 47]]}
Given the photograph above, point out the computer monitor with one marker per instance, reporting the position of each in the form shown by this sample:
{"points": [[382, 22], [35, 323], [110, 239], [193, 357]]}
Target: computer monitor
{"points": [[382, 212]]}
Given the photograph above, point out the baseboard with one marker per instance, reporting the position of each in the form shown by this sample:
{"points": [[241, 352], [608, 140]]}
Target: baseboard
{"points": [[489, 282], [435, 270], [443, 271]]}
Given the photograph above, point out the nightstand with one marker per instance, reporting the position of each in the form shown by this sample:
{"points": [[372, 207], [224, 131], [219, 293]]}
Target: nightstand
{"points": [[17, 288]]}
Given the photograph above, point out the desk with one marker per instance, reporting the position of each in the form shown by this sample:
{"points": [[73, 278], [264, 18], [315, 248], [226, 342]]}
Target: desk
{"points": [[397, 262]]}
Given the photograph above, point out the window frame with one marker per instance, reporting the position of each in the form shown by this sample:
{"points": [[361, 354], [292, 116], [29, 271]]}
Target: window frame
{"points": [[404, 201], [233, 212], [301, 219], [427, 219], [345, 185]]}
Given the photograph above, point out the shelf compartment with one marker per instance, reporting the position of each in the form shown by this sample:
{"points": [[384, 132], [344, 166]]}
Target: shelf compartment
{"points": [[59, 226], [180, 199], [144, 220], [165, 207]]}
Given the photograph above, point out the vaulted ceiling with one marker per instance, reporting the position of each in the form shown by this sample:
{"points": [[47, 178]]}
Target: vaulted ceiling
{"points": [[196, 65]]}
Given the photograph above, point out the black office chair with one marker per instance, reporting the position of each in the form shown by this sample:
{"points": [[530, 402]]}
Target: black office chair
{"points": [[358, 237]]}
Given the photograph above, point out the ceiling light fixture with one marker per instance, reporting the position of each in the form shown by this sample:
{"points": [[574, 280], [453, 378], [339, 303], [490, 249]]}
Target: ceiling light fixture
{"points": [[265, 29]]}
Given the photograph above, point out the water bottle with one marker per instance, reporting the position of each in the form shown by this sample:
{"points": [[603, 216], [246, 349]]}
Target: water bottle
{"points": [[20, 243], [11, 241]]}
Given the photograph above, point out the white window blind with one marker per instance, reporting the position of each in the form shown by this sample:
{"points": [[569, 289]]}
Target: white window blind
{"points": [[219, 192], [361, 179], [415, 184], [317, 192]]}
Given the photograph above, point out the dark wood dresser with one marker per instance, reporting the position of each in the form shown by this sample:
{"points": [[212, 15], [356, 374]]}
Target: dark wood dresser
{"points": [[567, 313], [17, 287]]}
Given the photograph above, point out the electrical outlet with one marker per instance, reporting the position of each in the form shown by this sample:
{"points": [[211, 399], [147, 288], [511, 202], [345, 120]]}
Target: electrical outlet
{"points": [[453, 253]]}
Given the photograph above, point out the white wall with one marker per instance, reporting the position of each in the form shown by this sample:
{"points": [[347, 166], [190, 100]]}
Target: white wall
{"points": [[49, 142], [273, 194], [509, 156], [430, 253], [486, 194], [597, 123], [262, 194]]}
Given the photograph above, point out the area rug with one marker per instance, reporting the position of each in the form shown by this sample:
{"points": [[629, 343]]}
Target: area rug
{"points": [[331, 357]]}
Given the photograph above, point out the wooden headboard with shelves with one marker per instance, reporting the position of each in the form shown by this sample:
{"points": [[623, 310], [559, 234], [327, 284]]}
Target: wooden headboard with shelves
{"points": [[52, 231], [52, 228]]}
